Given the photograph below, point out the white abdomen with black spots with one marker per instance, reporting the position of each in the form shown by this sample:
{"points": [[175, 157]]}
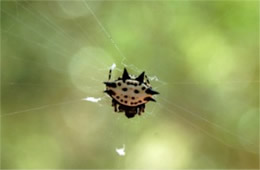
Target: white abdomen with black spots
{"points": [[130, 93]]}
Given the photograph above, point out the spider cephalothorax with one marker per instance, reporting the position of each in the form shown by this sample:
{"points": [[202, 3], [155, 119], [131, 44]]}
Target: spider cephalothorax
{"points": [[130, 94]]}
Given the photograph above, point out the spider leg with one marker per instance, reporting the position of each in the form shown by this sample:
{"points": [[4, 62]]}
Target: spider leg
{"points": [[115, 107], [114, 104], [139, 110], [143, 106], [121, 109], [147, 79], [109, 74]]}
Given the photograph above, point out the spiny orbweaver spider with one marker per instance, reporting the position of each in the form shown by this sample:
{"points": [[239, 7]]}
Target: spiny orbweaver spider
{"points": [[129, 93]]}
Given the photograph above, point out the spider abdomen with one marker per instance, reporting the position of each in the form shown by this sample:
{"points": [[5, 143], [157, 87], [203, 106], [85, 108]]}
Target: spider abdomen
{"points": [[131, 94]]}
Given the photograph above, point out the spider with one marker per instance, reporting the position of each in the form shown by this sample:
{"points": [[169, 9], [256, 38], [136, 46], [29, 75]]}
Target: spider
{"points": [[130, 93]]}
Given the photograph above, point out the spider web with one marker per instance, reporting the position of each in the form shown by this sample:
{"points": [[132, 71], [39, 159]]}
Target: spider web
{"points": [[52, 88]]}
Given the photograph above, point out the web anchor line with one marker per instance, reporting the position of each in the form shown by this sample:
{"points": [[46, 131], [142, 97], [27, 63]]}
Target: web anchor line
{"points": [[40, 108], [208, 121], [106, 33]]}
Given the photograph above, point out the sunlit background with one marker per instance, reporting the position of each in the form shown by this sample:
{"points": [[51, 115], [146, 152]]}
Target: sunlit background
{"points": [[202, 56]]}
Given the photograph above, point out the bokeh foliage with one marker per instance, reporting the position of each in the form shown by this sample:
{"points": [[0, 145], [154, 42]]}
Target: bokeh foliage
{"points": [[205, 54]]}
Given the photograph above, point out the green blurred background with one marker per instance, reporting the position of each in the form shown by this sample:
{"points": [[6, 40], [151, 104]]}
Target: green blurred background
{"points": [[205, 55]]}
